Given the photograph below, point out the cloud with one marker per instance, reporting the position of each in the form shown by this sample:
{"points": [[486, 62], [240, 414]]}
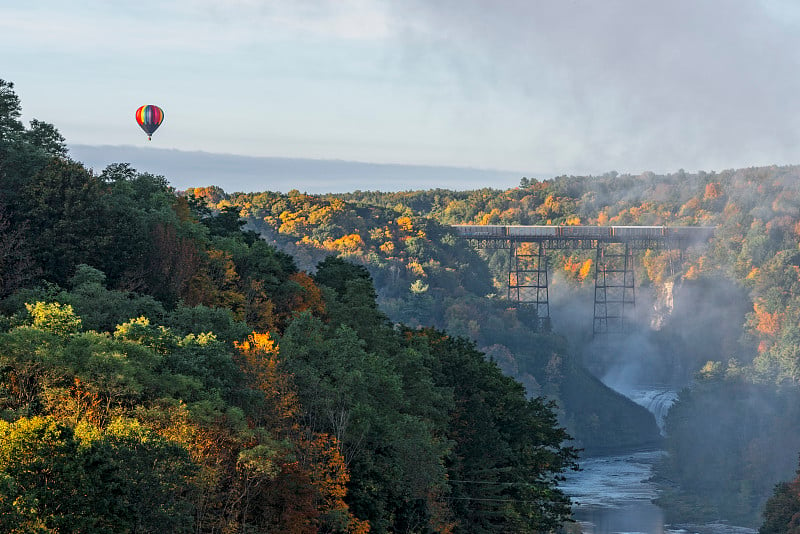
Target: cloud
{"points": [[205, 26], [549, 87], [645, 83]]}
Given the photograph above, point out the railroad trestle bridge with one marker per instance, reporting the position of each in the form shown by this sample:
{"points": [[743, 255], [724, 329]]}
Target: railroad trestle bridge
{"points": [[614, 276]]}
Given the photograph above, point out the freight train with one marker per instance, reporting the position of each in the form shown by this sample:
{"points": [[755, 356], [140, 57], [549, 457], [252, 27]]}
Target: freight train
{"points": [[680, 233]]}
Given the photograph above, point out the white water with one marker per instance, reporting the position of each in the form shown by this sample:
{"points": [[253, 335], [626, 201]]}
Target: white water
{"points": [[614, 494], [658, 401]]}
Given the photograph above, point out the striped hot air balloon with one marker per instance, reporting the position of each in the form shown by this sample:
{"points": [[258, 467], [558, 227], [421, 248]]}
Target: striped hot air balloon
{"points": [[149, 118]]}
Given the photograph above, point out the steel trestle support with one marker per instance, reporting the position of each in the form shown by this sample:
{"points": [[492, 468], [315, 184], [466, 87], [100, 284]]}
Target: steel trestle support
{"points": [[527, 278], [614, 291]]}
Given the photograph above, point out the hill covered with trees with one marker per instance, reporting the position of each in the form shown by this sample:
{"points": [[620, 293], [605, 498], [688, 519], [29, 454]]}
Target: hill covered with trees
{"points": [[163, 370], [724, 327], [425, 277]]}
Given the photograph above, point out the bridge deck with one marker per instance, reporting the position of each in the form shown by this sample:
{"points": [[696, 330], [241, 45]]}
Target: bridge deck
{"points": [[586, 236], [614, 299]]}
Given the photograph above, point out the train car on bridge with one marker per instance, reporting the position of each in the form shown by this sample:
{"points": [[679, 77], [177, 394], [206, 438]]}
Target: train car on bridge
{"points": [[480, 230], [585, 232], [638, 232], [494, 231], [533, 231]]}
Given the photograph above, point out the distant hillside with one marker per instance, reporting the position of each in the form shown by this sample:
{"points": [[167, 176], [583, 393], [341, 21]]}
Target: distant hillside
{"points": [[250, 174], [424, 277]]}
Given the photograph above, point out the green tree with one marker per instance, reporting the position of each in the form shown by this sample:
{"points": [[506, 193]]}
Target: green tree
{"points": [[16, 264], [10, 111], [67, 218], [149, 481], [121, 480], [101, 309], [43, 460], [47, 138], [509, 452], [357, 397]]}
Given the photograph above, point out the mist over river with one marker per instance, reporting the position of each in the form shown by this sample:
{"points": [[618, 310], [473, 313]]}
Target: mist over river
{"points": [[614, 494]]}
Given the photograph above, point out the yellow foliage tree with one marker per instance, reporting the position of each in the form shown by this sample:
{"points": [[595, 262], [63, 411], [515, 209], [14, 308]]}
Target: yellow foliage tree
{"points": [[585, 269], [351, 243], [405, 224]]}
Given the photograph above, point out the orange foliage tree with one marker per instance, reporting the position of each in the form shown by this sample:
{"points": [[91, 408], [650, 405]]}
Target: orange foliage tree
{"points": [[315, 461], [764, 322], [174, 262], [310, 297]]}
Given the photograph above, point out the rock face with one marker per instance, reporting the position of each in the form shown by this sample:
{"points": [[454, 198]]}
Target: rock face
{"points": [[663, 305]]}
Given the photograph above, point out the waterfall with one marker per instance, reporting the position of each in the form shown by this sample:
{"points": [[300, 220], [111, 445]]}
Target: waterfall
{"points": [[658, 401]]}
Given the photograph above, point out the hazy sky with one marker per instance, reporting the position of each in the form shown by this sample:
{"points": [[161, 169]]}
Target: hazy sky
{"points": [[542, 87]]}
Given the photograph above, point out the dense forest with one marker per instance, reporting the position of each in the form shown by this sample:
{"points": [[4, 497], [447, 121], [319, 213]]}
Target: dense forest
{"points": [[164, 370], [425, 277], [724, 325]]}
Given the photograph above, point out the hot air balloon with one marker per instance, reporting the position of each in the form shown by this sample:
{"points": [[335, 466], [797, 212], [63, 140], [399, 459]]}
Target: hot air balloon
{"points": [[149, 118]]}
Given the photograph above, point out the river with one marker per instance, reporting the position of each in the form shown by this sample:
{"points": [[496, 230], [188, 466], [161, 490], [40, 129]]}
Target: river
{"points": [[614, 494]]}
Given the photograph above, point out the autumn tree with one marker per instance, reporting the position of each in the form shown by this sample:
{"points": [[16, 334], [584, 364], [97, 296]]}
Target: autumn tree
{"points": [[58, 479], [316, 459], [782, 510]]}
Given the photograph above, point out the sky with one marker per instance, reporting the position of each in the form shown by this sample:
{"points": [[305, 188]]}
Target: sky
{"points": [[537, 88]]}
